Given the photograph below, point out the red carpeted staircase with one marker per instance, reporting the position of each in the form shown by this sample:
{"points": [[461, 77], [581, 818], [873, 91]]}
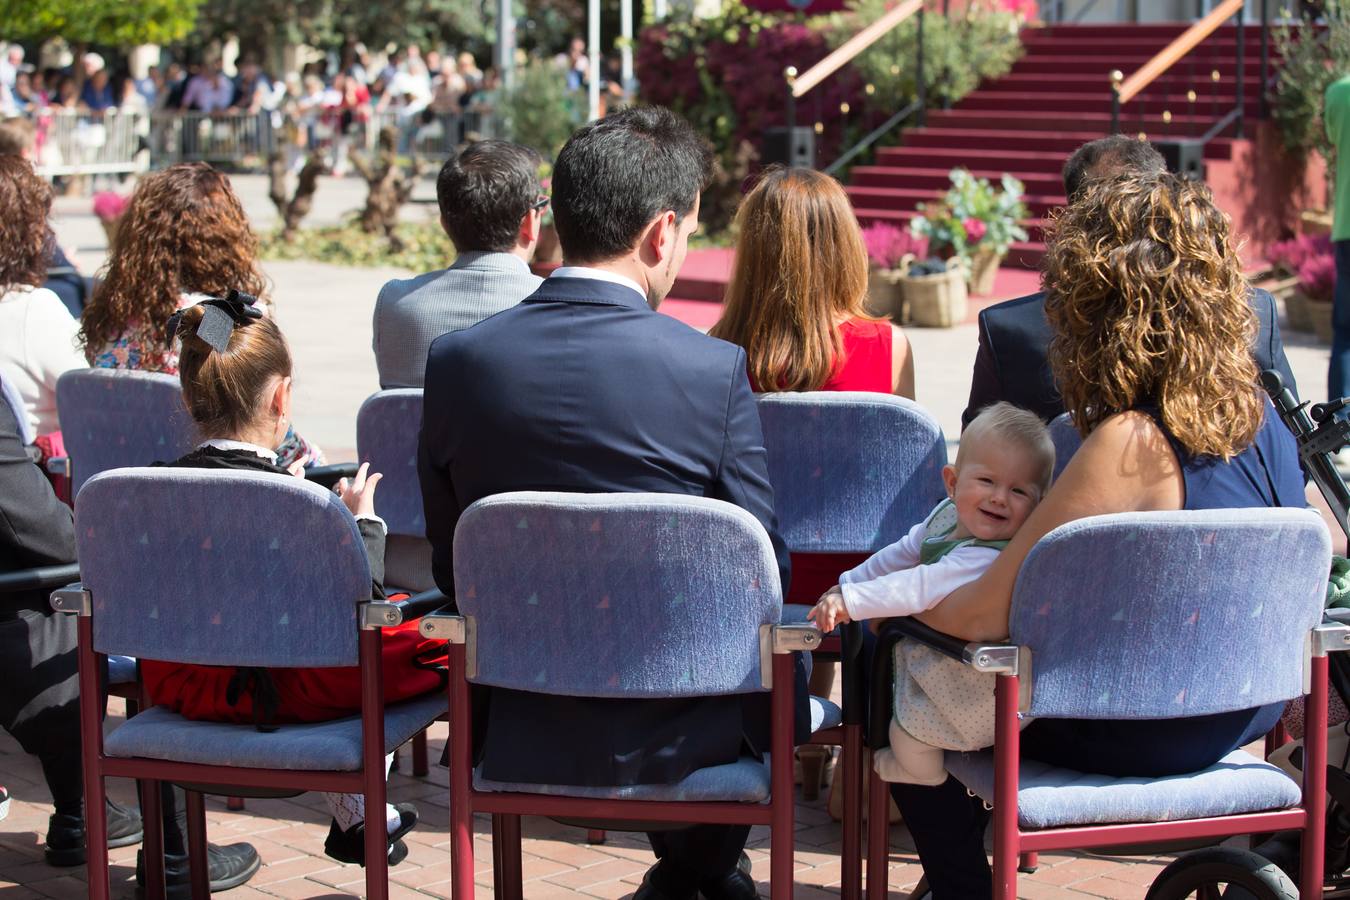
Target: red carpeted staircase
{"points": [[1057, 97]]}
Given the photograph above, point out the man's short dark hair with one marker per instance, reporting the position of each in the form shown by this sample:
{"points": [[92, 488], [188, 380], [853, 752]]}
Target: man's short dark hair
{"points": [[615, 175], [1118, 154], [484, 192]]}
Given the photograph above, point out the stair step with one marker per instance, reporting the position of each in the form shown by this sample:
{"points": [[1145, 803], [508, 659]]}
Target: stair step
{"points": [[1051, 121], [1102, 65], [938, 158], [1178, 82], [960, 141], [1043, 183], [1163, 32], [910, 198], [1035, 227], [1143, 104]]}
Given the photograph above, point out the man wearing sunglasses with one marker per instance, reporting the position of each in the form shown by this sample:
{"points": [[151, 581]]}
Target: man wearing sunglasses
{"points": [[491, 207]]}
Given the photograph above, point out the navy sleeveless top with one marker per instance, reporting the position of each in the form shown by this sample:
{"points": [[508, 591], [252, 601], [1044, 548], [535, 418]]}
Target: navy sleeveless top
{"points": [[1265, 474]]}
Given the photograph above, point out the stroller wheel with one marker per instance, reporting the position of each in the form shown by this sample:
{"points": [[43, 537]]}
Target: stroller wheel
{"points": [[1222, 872]]}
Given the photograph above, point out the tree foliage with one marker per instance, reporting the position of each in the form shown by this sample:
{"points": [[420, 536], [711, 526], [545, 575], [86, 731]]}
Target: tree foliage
{"points": [[121, 23], [1313, 57]]}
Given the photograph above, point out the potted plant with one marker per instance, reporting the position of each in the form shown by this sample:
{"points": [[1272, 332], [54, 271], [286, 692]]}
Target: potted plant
{"points": [[1287, 258], [108, 207], [1317, 283], [890, 249], [935, 292], [975, 223]]}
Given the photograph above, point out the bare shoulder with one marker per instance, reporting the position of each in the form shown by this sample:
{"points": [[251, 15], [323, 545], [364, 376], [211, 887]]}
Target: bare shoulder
{"points": [[1129, 453]]}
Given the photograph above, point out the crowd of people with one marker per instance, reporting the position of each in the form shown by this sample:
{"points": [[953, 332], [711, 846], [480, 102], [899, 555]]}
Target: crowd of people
{"points": [[1146, 332]]}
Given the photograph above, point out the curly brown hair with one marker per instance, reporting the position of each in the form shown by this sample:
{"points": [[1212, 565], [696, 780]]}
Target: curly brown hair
{"points": [[1147, 304], [25, 236], [184, 231]]}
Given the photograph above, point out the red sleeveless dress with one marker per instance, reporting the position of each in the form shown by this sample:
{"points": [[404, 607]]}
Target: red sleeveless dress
{"points": [[865, 366]]}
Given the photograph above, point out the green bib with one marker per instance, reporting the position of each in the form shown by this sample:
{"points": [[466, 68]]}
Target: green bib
{"points": [[936, 543]]}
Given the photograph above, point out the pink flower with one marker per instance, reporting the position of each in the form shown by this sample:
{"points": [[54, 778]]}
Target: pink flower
{"points": [[1317, 278], [887, 244], [975, 230], [109, 206]]}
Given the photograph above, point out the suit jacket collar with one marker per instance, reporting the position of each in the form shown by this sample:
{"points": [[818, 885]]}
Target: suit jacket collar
{"points": [[497, 262], [587, 290]]}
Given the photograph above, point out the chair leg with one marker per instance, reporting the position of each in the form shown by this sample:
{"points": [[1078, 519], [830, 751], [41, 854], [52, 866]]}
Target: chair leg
{"points": [[152, 847], [197, 863], [419, 754], [96, 840], [234, 804], [812, 760], [377, 838], [850, 759], [1029, 863], [596, 836], [878, 837], [507, 876], [461, 786]]}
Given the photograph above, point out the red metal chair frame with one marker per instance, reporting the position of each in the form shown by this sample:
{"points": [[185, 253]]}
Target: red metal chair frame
{"points": [[370, 781], [507, 808], [1010, 841]]}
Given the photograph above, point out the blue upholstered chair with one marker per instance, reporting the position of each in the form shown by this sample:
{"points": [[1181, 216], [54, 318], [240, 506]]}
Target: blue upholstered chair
{"points": [[198, 566], [387, 427], [852, 472], [620, 596], [120, 417], [1147, 616], [1066, 438]]}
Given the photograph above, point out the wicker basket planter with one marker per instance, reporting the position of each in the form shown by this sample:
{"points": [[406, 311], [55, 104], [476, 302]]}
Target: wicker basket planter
{"points": [[936, 301], [983, 271], [885, 296], [1296, 311], [1319, 315]]}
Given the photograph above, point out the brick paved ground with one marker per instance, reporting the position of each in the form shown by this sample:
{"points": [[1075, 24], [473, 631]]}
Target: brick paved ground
{"points": [[326, 314], [558, 862]]}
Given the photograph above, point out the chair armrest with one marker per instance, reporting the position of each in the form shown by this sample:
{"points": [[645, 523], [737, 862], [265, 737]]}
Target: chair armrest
{"points": [[391, 615], [331, 475], [1331, 636], [993, 658], [419, 605], [444, 627], [39, 578], [851, 669]]}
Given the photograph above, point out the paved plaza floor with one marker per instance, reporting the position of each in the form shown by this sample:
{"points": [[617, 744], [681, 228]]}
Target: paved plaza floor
{"points": [[325, 312]]}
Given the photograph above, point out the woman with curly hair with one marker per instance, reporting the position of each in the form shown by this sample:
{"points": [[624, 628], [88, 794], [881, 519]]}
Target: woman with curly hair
{"points": [[37, 333], [183, 238], [1151, 334]]}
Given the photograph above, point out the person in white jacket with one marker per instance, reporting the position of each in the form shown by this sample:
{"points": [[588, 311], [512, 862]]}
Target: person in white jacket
{"points": [[1003, 468], [37, 334]]}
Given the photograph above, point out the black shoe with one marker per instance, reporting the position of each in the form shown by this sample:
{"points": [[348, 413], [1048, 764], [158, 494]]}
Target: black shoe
{"points": [[664, 881], [350, 846], [734, 885], [65, 835], [227, 867]]}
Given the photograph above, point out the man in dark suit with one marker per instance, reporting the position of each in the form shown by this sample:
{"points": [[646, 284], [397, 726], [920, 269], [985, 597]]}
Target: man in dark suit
{"points": [[583, 387], [1011, 363]]}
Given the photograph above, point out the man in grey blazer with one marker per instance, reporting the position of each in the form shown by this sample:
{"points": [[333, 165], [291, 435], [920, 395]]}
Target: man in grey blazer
{"points": [[491, 207]]}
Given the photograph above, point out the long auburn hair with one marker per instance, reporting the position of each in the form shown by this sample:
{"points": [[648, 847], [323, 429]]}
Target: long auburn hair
{"points": [[25, 237], [1147, 304], [184, 231], [800, 269]]}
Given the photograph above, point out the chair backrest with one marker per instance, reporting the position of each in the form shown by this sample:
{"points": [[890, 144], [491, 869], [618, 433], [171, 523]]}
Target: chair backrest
{"points": [[387, 426], [1170, 614], [615, 595], [851, 471], [220, 567], [1066, 438], [111, 418]]}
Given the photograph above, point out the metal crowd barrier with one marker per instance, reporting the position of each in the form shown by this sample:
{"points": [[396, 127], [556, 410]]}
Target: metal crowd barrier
{"points": [[70, 143], [242, 139]]}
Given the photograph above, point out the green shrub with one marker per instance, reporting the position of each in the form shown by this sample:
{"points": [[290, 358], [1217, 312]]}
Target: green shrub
{"points": [[1312, 59], [540, 111]]}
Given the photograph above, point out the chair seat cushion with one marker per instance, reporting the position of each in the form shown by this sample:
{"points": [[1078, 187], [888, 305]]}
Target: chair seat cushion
{"points": [[744, 781], [1051, 797], [315, 747]]}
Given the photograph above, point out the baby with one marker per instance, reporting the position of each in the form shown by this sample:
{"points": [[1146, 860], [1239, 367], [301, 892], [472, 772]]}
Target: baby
{"points": [[1003, 469]]}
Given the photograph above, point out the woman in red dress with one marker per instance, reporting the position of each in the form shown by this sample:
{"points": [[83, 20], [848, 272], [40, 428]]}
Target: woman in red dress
{"points": [[795, 303]]}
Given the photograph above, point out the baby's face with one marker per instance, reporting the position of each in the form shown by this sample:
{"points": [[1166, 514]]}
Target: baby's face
{"points": [[994, 491]]}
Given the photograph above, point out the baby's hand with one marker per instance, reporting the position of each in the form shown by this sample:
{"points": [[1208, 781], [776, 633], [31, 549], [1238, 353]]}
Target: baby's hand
{"points": [[359, 495], [829, 610]]}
